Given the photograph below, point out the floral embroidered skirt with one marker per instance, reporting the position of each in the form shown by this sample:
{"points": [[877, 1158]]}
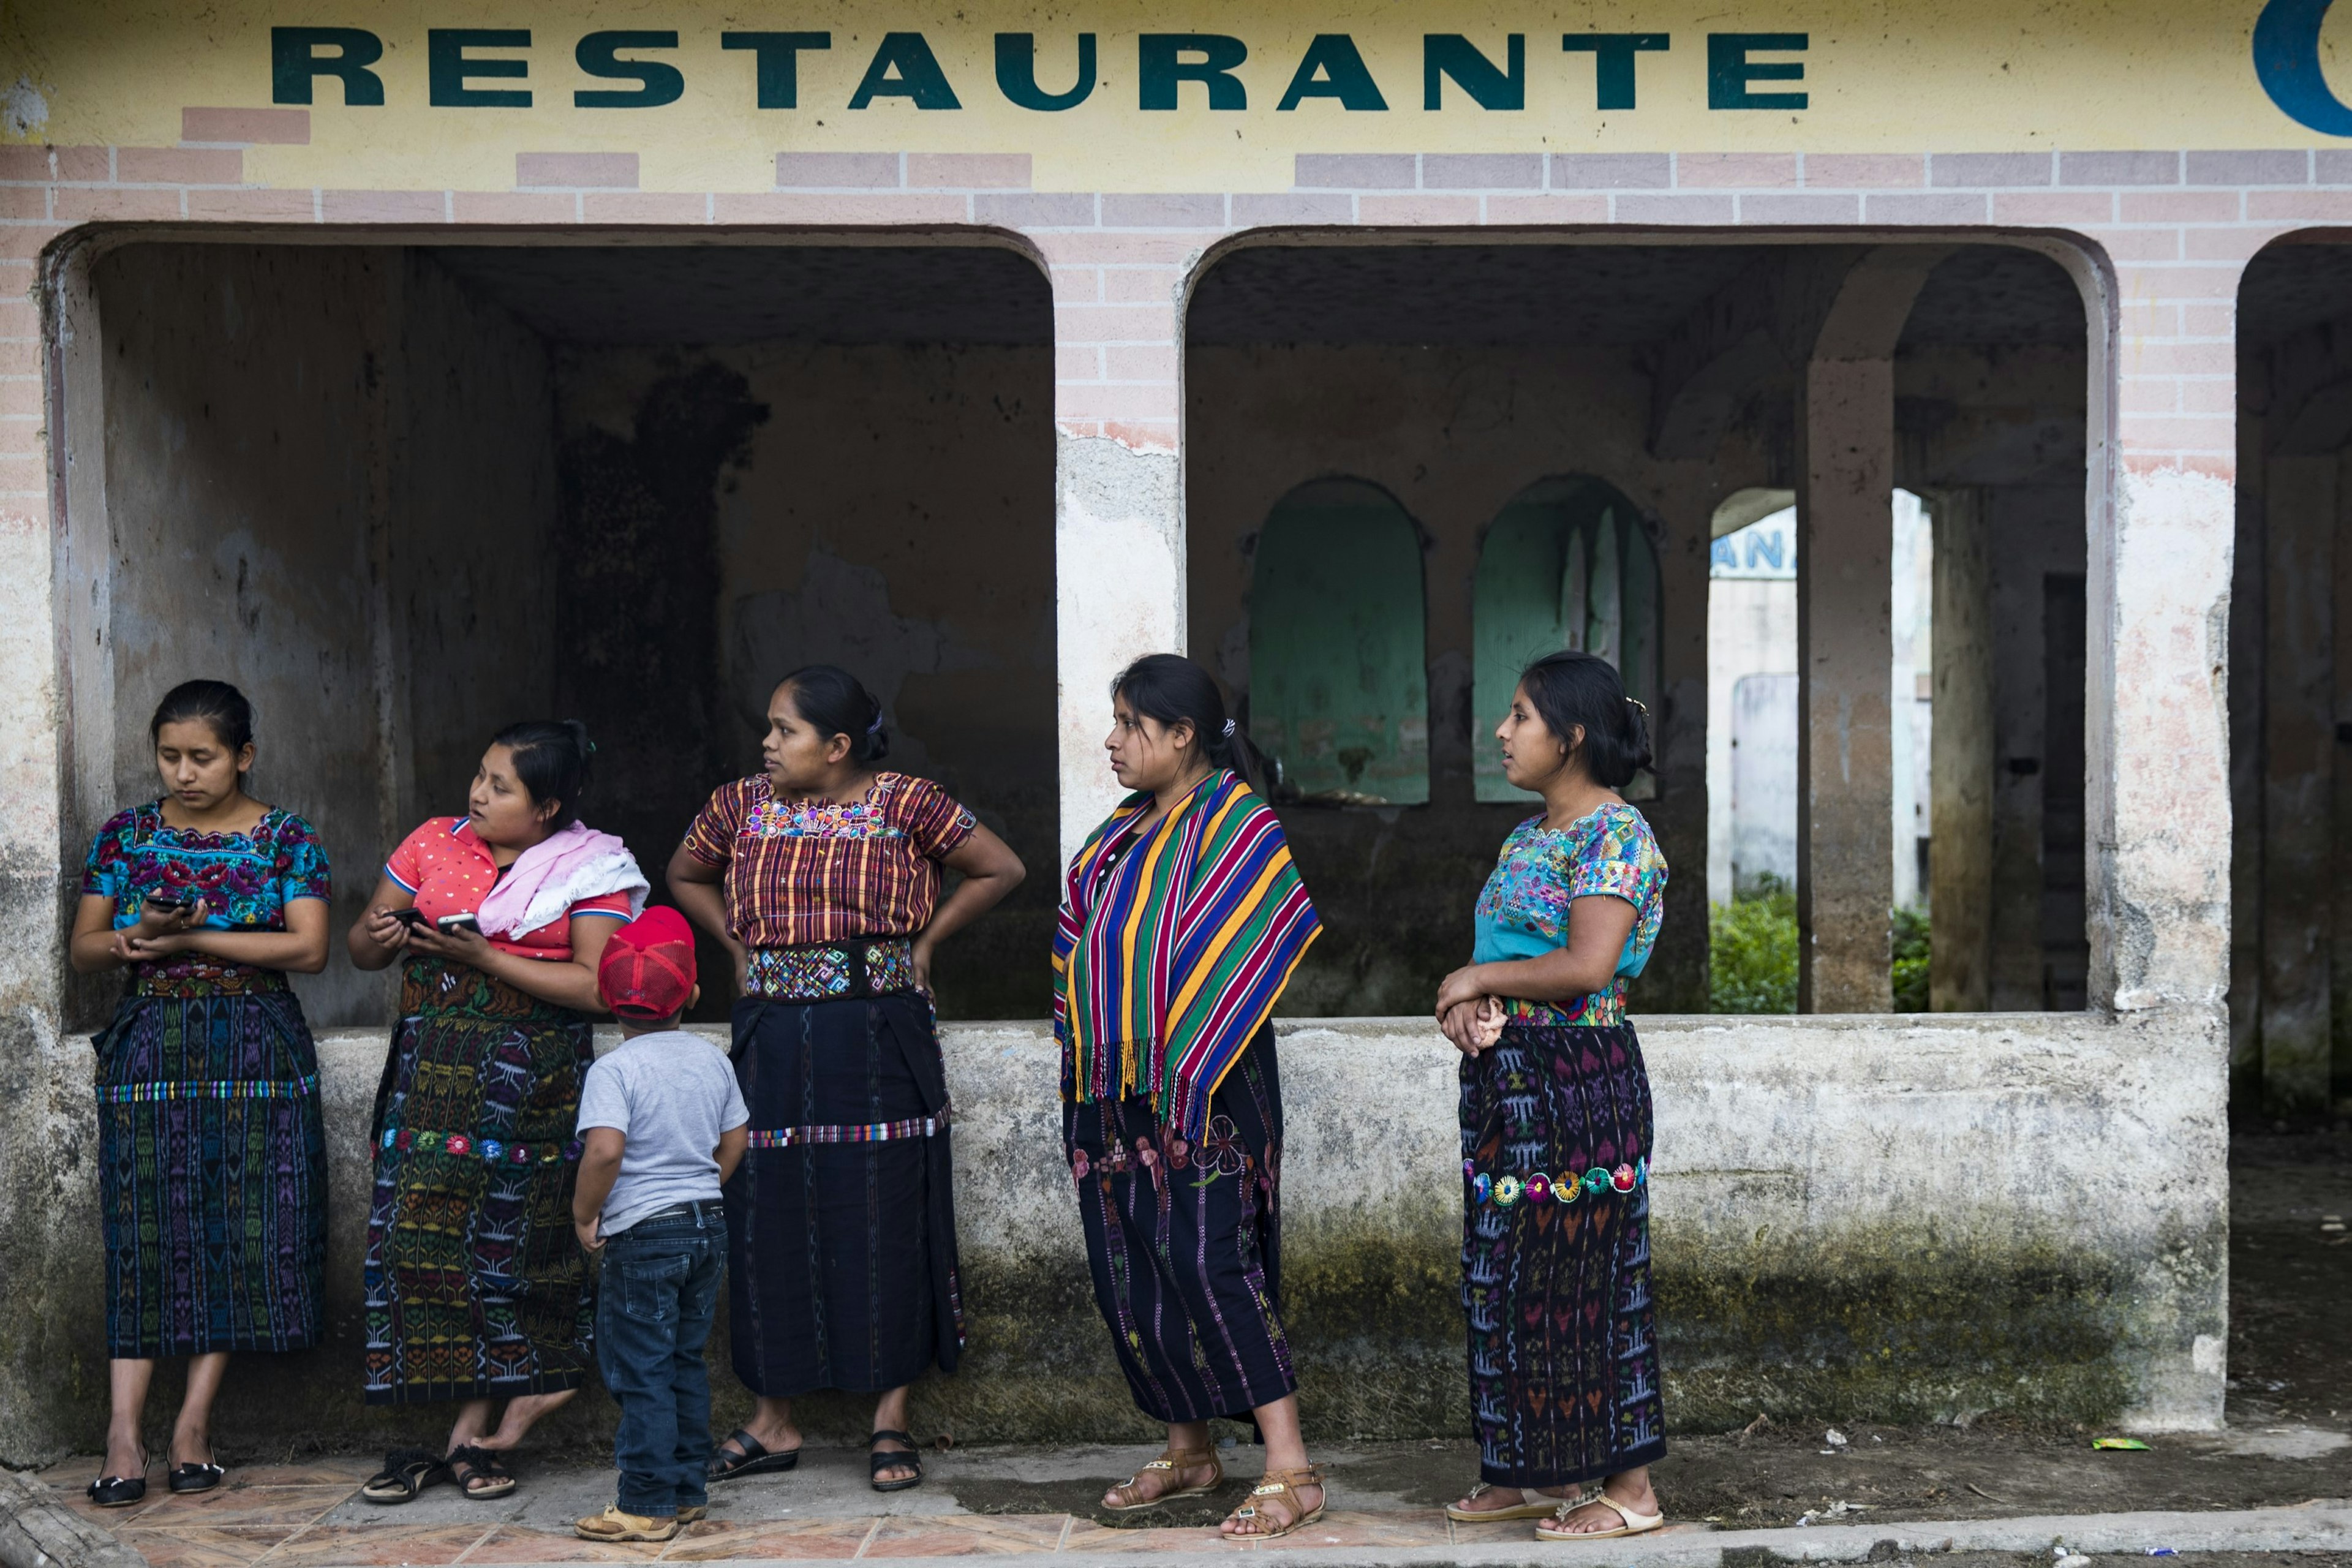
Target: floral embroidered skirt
{"points": [[475, 1286], [212, 1170], [1185, 1243], [841, 1266], [1563, 1344]]}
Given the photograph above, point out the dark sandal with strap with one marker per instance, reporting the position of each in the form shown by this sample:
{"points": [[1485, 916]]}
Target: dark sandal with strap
{"points": [[406, 1472], [887, 1459], [121, 1491], [470, 1464], [755, 1458]]}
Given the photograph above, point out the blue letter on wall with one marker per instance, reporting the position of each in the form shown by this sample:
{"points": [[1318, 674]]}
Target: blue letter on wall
{"points": [[918, 76], [1729, 71], [1613, 62], [599, 55], [447, 66], [1016, 72], [778, 55], [1446, 54], [1332, 68], [1159, 69], [295, 61], [2286, 61]]}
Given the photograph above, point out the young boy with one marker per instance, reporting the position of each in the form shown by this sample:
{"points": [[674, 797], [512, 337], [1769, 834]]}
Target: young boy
{"points": [[664, 1125]]}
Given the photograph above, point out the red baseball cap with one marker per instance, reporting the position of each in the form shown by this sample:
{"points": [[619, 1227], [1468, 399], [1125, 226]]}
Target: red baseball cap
{"points": [[647, 974]]}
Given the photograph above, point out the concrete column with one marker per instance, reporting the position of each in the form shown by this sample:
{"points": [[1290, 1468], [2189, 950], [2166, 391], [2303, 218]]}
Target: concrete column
{"points": [[2245, 736], [1118, 559], [1961, 760], [1844, 761], [2298, 784]]}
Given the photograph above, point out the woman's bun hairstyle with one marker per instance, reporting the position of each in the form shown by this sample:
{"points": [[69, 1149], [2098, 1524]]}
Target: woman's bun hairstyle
{"points": [[550, 758], [837, 703], [1173, 690], [212, 702], [1573, 690]]}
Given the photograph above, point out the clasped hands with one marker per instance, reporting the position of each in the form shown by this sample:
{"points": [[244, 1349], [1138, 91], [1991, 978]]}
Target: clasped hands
{"points": [[157, 933], [1471, 1017]]}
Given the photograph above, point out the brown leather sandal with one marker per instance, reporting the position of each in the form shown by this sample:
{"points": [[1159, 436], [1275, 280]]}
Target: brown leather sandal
{"points": [[1284, 1485], [1175, 1461]]}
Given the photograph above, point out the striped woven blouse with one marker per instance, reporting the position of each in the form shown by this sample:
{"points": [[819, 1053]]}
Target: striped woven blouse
{"points": [[800, 872]]}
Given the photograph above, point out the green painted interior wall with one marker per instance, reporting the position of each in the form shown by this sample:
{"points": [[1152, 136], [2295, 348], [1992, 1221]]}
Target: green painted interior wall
{"points": [[1567, 564], [1338, 674]]}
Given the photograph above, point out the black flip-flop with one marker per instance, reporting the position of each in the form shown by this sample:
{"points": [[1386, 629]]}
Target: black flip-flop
{"points": [[755, 1459], [883, 1459], [406, 1472]]}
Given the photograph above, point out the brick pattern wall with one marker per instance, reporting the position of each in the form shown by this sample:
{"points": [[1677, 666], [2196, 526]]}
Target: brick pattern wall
{"points": [[2179, 227]]}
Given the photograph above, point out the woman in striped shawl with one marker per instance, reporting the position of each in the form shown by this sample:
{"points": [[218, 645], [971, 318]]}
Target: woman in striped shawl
{"points": [[1181, 920]]}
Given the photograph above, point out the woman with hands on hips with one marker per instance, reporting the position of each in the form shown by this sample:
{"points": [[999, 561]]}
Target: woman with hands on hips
{"points": [[1556, 1124], [211, 1159], [476, 1289]]}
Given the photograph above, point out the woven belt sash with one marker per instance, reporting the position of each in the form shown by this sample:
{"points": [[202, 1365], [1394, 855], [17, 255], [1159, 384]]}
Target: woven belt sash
{"points": [[474, 1146], [832, 972], [215, 1088], [871, 1132]]}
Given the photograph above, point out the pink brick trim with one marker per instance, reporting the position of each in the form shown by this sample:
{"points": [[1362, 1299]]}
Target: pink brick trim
{"points": [[969, 171], [1554, 208], [1443, 211], [645, 207], [513, 206], [276, 127], [252, 207], [575, 171], [843, 208], [179, 165], [383, 207], [1743, 171], [1865, 171]]}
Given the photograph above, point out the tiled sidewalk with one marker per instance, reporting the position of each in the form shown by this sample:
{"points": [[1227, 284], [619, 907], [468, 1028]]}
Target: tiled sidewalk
{"points": [[308, 1514]]}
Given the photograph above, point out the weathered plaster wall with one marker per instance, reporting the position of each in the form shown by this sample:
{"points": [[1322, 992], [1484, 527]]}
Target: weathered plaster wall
{"points": [[885, 508], [1453, 434], [1854, 1220]]}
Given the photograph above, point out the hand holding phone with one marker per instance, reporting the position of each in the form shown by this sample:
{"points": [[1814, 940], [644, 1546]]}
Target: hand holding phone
{"points": [[458, 922]]}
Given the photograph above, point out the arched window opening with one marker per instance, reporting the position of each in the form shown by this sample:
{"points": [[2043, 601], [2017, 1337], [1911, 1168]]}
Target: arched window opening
{"points": [[1338, 675], [1567, 564]]}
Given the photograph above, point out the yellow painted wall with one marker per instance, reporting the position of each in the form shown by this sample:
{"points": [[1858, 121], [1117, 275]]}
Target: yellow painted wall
{"points": [[1894, 75]]}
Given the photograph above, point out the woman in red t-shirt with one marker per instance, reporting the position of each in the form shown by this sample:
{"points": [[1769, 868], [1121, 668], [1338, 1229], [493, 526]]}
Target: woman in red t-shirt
{"points": [[477, 1290]]}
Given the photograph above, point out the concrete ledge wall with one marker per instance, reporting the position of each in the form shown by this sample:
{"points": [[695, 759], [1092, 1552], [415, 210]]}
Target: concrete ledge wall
{"points": [[1896, 1220]]}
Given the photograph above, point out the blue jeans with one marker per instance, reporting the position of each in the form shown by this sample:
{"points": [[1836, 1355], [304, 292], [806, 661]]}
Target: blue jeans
{"points": [[660, 1289]]}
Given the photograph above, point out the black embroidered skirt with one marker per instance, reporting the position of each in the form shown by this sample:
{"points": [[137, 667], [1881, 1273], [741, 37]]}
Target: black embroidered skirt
{"points": [[1185, 1243], [212, 1172], [841, 1267], [1564, 1379]]}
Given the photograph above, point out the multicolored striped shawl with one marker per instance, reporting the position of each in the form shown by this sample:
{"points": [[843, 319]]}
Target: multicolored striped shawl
{"points": [[1172, 950]]}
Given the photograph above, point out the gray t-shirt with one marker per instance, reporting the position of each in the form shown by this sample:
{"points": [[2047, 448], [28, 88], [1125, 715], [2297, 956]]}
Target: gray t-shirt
{"points": [[670, 1095]]}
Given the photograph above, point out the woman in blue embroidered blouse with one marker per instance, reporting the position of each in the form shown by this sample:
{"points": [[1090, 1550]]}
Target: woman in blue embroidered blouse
{"points": [[1564, 1381], [212, 1161]]}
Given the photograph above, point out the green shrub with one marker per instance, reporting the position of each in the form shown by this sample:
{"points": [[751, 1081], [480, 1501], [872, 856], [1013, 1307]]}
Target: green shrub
{"points": [[1752, 952], [1910, 960]]}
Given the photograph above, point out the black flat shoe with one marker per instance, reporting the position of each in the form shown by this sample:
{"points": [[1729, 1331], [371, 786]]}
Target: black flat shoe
{"points": [[881, 1461], [194, 1477], [754, 1460], [119, 1492]]}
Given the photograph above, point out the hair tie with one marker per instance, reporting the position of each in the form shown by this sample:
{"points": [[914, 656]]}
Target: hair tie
{"points": [[1229, 729], [1638, 706], [875, 727]]}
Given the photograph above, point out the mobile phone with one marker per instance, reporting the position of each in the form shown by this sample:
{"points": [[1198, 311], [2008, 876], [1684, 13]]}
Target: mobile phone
{"points": [[412, 918], [166, 904], [459, 922]]}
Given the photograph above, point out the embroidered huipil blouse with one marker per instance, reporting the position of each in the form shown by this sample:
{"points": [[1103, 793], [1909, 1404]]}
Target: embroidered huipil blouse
{"points": [[803, 871], [245, 880], [448, 870], [1523, 910]]}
